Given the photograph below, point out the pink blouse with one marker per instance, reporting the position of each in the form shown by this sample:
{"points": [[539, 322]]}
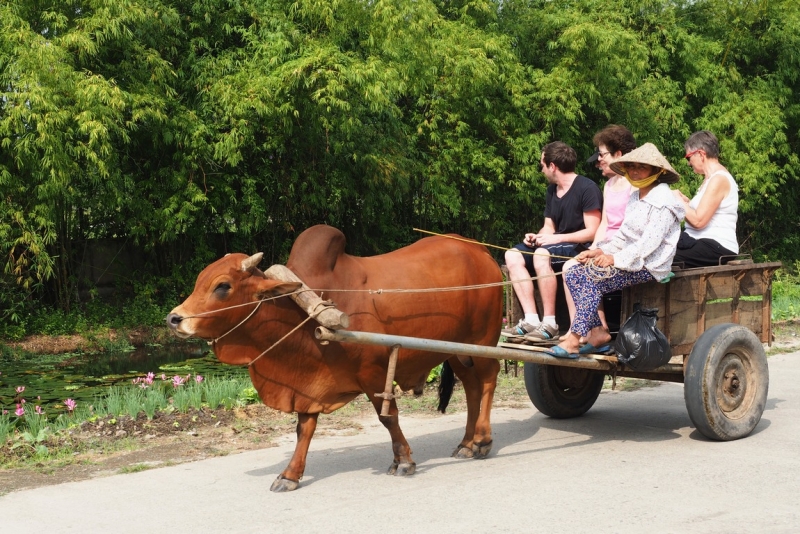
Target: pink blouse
{"points": [[615, 203]]}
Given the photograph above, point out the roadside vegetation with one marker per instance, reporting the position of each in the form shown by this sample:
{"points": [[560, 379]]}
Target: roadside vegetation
{"points": [[786, 293], [31, 433]]}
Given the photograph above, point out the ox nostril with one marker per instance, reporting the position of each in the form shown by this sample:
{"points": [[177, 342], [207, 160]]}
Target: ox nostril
{"points": [[173, 320]]}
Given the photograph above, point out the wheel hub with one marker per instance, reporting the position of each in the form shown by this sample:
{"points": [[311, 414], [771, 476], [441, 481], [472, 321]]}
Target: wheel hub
{"points": [[732, 386]]}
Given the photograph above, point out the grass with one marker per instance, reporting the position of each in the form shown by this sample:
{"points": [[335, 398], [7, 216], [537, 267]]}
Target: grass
{"points": [[136, 468], [34, 437]]}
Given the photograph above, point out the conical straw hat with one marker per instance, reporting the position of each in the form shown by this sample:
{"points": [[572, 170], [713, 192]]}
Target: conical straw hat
{"points": [[649, 154]]}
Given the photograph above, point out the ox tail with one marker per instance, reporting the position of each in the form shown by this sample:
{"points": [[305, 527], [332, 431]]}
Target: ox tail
{"points": [[447, 381]]}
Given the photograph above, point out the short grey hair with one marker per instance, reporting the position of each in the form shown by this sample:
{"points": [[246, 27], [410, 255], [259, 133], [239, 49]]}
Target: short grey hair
{"points": [[705, 141]]}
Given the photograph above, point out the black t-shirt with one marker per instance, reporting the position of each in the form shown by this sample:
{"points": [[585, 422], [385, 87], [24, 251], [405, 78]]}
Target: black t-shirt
{"points": [[567, 211]]}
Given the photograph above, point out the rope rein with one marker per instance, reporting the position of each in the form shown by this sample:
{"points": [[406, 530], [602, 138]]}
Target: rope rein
{"points": [[474, 242], [214, 341], [322, 307]]}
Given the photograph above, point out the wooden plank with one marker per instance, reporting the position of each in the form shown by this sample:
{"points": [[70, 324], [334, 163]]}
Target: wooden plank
{"points": [[766, 308], [758, 267], [750, 316], [702, 297], [717, 313], [683, 311], [725, 285]]}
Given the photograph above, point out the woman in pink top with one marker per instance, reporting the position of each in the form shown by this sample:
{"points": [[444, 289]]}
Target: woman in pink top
{"points": [[612, 142]]}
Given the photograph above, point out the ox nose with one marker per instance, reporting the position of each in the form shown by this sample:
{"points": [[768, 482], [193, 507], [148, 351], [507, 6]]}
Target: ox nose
{"points": [[173, 320]]}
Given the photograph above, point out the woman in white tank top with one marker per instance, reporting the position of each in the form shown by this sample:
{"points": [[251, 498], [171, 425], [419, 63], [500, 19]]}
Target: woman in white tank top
{"points": [[709, 237]]}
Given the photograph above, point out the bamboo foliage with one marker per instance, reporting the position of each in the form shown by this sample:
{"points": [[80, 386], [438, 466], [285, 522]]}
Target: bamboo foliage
{"points": [[192, 128]]}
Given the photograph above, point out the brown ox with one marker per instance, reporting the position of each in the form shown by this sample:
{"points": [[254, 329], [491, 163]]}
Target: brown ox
{"points": [[302, 375]]}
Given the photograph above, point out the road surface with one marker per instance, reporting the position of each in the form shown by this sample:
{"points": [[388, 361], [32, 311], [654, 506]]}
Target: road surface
{"points": [[633, 463]]}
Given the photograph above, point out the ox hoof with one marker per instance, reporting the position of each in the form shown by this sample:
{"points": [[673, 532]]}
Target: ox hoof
{"points": [[477, 451], [402, 469], [481, 451], [462, 452], [283, 484]]}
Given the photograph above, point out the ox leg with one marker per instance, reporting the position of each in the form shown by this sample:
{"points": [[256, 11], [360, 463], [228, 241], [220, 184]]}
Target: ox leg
{"points": [[403, 464], [480, 382], [289, 480]]}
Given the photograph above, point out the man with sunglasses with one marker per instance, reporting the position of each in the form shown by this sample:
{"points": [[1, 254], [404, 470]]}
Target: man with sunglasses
{"points": [[709, 236]]}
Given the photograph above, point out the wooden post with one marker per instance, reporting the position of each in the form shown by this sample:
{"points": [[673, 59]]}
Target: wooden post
{"points": [[388, 390]]}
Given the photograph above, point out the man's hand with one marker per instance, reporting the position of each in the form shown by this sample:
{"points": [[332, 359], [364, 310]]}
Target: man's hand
{"points": [[548, 239], [530, 240]]}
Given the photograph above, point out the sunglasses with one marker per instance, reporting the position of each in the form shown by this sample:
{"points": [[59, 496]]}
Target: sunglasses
{"points": [[692, 153]]}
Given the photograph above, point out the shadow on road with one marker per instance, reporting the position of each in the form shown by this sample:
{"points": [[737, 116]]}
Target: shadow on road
{"points": [[656, 416]]}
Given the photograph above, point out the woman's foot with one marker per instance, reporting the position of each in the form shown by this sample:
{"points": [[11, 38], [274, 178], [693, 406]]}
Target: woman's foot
{"points": [[598, 336], [565, 336], [572, 344]]}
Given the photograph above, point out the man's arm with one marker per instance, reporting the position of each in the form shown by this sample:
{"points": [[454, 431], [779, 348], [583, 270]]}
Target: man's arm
{"points": [[591, 219], [549, 227]]}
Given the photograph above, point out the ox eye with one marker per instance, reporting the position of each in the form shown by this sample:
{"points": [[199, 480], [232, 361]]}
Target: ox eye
{"points": [[222, 288]]}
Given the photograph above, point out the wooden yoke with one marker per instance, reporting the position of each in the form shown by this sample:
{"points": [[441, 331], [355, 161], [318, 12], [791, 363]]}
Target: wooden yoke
{"points": [[310, 301]]}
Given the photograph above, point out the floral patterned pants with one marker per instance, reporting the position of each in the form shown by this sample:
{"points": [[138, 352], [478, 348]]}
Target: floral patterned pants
{"points": [[587, 291]]}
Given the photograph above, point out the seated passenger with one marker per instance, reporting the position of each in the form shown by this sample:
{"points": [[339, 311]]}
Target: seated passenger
{"points": [[710, 234], [612, 142], [639, 252], [571, 216]]}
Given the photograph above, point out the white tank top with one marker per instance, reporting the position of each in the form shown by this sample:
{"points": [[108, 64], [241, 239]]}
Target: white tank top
{"points": [[722, 226]]}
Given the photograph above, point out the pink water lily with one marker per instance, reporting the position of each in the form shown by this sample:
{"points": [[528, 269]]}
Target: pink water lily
{"points": [[20, 411], [20, 389], [70, 404], [177, 381], [39, 410], [198, 378]]}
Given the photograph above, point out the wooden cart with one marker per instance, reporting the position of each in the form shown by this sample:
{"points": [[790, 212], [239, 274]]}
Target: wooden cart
{"points": [[716, 319]]}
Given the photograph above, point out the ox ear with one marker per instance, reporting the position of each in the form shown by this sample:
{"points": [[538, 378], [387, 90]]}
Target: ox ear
{"points": [[281, 288], [252, 262]]}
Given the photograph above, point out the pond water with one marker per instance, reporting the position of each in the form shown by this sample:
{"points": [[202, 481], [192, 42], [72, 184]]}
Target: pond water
{"points": [[50, 379]]}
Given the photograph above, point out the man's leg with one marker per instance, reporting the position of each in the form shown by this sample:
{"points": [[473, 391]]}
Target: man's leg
{"points": [[523, 286], [548, 285]]}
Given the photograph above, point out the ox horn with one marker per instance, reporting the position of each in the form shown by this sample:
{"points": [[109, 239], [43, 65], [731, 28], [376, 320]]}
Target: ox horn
{"points": [[252, 261]]}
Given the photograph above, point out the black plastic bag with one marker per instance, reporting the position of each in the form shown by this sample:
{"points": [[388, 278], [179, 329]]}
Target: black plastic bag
{"points": [[639, 344]]}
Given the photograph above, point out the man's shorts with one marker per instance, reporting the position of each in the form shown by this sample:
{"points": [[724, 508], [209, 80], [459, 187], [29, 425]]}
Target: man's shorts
{"points": [[565, 250]]}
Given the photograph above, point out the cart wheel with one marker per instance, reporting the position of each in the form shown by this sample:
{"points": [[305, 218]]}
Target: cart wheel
{"points": [[562, 392], [726, 381]]}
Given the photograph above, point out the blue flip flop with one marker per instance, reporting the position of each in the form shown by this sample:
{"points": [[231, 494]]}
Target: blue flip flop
{"points": [[591, 349], [558, 352]]}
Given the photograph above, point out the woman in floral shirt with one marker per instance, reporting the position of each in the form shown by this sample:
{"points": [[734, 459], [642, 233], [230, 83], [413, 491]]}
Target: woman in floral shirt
{"points": [[642, 249]]}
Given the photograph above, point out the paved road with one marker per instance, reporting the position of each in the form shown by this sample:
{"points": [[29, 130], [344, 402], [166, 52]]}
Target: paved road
{"points": [[633, 463]]}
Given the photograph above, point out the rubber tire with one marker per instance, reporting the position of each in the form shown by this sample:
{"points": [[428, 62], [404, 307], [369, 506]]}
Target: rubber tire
{"points": [[562, 392], [726, 381]]}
